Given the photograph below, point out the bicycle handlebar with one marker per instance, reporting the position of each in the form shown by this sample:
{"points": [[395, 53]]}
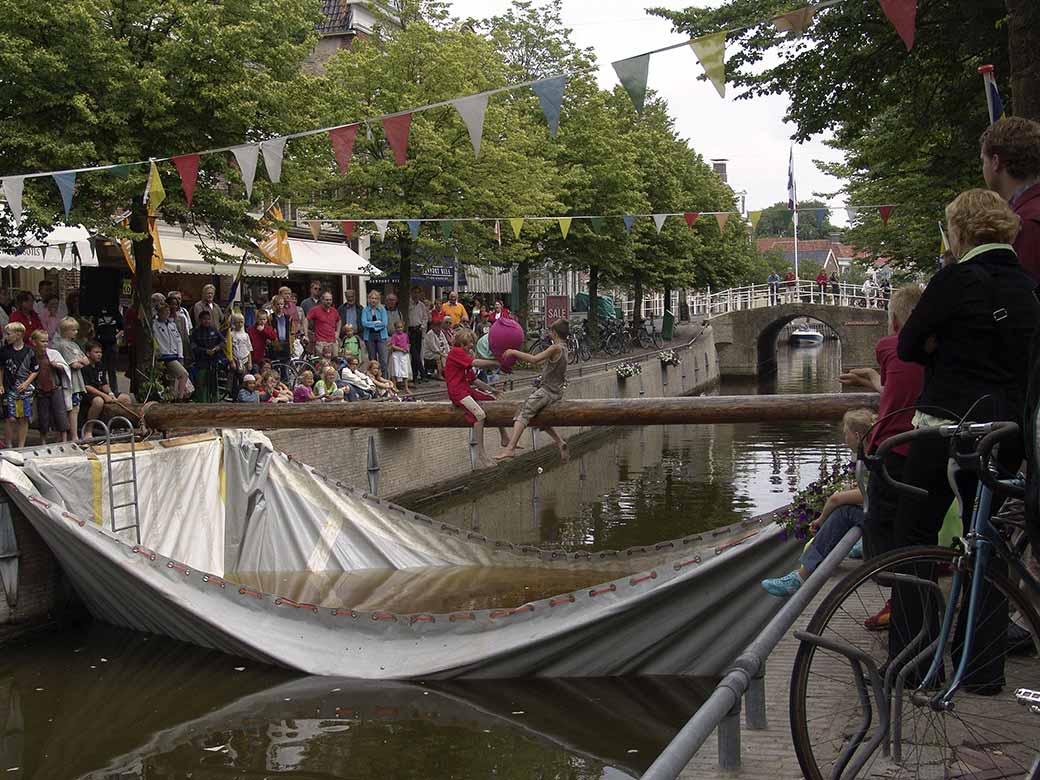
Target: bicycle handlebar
{"points": [[1003, 430]]}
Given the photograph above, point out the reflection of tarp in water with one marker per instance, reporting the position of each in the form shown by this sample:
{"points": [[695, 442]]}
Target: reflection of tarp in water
{"points": [[682, 606], [158, 705]]}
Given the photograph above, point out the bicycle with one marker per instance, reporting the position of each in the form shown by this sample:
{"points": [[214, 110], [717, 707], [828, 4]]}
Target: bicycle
{"points": [[578, 345], [615, 338], [928, 724]]}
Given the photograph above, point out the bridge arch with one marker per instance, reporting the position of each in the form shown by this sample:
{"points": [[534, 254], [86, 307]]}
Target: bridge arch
{"points": [[746, 339]]}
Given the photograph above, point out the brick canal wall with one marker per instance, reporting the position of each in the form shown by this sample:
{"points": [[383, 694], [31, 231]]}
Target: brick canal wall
{"points": [[41, 591], [416, 459]]}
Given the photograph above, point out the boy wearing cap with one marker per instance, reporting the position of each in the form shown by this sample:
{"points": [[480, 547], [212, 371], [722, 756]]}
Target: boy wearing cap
{"points": [[248, 394]]}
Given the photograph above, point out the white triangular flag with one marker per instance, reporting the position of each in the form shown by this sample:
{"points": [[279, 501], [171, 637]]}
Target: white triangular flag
{"points": [[659, 221], [472, 110], [246, 157], [853, 212], [274, 151], [381, 226], [13, 192], [61, 250]]}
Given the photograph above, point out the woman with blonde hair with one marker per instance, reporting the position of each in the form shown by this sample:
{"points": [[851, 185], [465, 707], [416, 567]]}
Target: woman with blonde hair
{"points": [[969, 330]]}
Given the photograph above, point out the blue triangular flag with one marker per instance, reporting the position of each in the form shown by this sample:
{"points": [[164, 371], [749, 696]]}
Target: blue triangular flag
{"points": [[821, 214], [413, 228], [550, 97], [629, 221], [998, 104], [66, 184]]}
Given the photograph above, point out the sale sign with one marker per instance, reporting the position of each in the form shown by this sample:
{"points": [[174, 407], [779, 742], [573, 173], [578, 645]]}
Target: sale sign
{"points": [[556, 308]]}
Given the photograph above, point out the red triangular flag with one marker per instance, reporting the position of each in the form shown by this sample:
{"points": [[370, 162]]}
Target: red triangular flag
{"points": [[348, 229], [397, 129], [188, 168], [343, 145], [885, 212], [691, 217], [903, 16]]}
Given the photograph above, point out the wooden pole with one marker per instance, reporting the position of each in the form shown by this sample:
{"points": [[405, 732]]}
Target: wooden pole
{"points": [[592, 412]]}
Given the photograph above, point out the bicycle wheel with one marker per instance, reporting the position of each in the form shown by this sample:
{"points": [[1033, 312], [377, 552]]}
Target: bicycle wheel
{"points": [[584, 351], [611, 345], [986, 733], [572, 350]]}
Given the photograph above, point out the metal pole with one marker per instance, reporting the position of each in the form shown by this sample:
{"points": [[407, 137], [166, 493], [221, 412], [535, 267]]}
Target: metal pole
{"points": [[729, 739], [373, 467], [756, 702], [472, 450]]}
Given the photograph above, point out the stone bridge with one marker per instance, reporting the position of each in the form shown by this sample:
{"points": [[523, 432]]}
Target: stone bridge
{"points": [[746, 339]]}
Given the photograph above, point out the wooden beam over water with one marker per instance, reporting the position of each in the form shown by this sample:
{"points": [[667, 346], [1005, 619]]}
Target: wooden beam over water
{"points": [[439, 414]]}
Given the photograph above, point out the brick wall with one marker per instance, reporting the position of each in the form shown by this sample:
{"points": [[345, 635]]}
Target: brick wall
{"points": [[413, 459], [41, 587]]}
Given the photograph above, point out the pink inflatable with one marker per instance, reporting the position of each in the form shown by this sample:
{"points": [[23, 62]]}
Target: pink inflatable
{"points": [[505, 333]]}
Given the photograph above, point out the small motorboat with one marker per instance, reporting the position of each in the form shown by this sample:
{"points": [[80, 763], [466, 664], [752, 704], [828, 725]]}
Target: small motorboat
{"points": [[803, 337]]}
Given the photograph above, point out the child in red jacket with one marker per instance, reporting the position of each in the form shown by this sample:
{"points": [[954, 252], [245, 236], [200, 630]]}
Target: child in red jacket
{"points": [[464, 389]]}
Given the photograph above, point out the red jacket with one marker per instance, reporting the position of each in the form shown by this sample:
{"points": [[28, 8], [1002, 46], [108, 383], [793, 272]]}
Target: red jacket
{"points": [[1027, 245], [31, 321]]}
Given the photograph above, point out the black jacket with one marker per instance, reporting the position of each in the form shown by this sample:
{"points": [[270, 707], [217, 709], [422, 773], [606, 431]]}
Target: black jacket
{"points": [[982, 314]]}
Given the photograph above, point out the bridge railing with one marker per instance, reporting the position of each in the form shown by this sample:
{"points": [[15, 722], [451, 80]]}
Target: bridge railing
{"points": [[759, 296]]}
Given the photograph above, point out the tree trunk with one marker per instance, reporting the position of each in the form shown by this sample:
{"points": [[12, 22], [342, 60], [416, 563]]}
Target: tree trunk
{"points": [[593, 300], [523, 285], [668, 299], [1024, 53], [143, 250], [404, 283], [637, 309]]}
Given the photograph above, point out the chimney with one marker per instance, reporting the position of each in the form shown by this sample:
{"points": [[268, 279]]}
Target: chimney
{"points": [[719, 166]]}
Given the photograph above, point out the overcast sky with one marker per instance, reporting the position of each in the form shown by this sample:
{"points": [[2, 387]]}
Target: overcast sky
{"points": [[751, 134]]}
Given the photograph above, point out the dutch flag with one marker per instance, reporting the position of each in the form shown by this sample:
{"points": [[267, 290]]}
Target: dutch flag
{"points": [[792, 192]]}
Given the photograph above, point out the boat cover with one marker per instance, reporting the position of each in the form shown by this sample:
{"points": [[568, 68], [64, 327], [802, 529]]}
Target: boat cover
{"points": [[229, 502]]}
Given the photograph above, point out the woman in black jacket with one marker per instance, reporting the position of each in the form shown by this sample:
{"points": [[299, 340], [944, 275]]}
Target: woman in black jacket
{"points": [[971, 330]]}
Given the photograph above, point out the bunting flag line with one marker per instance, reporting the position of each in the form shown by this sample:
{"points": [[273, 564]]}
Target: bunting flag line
{"points": [[315, 227], [397, 128], [498, 232], [852, 213], [944, 245], [472, 110], [381, 226], [629, 221], [446, 226], [754, 217], [275, 244], [903, 16], [13, 186], [246, 157], [347, 226], [550, 98], [187, 166], [795, 23], [517, 223], [711, 52], [413, 228], [885, 212], [722, 219], [61, 250], [598, 224], [994, 103], [691, 217], [274, 150], [66, 182], [633, 74], [565, 226], [342, 139], [122, 171], [154, 192], [659, 220]]}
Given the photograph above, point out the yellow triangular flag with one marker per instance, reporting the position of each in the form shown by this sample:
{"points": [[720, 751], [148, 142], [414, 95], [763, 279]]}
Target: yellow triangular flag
{"points": [[315, 227], [754, 216], [517, 223], [154, 193], [275, 245], [722, 219], [127, 248], [711, 51], [795, 23], [565, 226], [944, 247]]}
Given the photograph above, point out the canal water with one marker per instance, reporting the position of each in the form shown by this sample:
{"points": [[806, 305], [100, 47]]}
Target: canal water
{"points": [[90, 701]]}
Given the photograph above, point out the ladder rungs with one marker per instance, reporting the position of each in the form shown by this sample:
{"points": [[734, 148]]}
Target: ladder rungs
{"points": [[121, 460], [121, 506], [123, 482]]}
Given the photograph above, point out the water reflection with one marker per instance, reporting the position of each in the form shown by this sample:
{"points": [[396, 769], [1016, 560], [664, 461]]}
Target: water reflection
{"points": [[646, 484], [109, 704]]}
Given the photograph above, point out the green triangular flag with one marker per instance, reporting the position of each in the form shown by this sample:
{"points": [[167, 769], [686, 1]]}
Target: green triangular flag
{"points": [[598, 224], [446, 226], [711, 51], [633, 73], [120, 171]]}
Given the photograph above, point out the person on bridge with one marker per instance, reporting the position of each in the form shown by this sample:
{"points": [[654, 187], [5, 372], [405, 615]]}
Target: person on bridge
{"points": [[842, 512], [790, 283], [774, 288], [821, 283]]}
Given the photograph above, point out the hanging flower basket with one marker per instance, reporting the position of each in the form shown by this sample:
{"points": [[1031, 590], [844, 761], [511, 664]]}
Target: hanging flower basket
{"points": [[668, 358], [807, 504], [625, 370]]}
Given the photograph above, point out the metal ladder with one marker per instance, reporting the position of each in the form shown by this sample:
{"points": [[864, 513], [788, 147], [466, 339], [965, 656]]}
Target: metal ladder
{"points": [[112, 483]]}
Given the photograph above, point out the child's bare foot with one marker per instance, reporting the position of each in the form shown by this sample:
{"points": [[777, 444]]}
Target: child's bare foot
{"points": [[565, 453], [506, 454]]}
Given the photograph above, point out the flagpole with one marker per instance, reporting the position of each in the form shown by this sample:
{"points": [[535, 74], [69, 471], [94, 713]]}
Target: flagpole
{"points": [[986, 71]]}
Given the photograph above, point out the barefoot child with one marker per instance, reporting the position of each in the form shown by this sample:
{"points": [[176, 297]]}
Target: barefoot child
{"points": [[400, 357], [19, 371], [550, 389], [461, 380]]}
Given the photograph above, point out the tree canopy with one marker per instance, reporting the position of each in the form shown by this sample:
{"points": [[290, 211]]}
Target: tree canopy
{"points": [[814, 221]]}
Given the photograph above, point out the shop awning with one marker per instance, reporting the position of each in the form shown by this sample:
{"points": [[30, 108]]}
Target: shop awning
{"points": [[495, 280], [182, 256], [438, 275], [327, 257], [65, 248]]}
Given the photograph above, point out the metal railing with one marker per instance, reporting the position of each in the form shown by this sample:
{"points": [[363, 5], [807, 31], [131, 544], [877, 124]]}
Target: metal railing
{"points": [[745, 676], [758, 296]]}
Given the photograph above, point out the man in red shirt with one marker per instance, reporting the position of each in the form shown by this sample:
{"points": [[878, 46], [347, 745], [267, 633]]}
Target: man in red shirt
{"points": [[324, 319], [26, 314], [1011, 167]]}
